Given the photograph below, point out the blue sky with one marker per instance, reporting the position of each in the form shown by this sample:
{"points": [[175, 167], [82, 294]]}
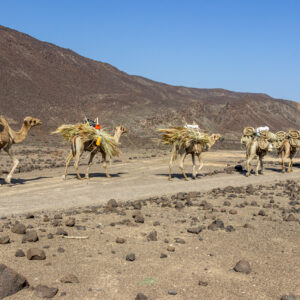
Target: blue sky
{"points": [[240, 45]]}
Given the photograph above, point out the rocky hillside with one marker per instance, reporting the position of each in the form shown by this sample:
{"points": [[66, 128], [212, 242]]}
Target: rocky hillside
{"points": [[60, 86]]}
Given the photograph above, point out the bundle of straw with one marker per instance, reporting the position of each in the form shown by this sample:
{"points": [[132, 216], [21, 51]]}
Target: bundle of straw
{"points": [[89, 133], [249, 131], [183, 137], [294, 134]]}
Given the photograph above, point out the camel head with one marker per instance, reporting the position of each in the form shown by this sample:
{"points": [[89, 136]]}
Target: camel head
{"points": [[30, 122], [246, 139], [121, 129], [214, 138]]}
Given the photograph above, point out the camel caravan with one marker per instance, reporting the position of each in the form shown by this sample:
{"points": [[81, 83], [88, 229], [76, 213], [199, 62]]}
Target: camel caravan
{"points": [[88, 136]]}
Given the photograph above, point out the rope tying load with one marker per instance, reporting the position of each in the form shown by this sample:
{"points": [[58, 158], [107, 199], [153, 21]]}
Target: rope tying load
{"points": [[183, 137], [102, 139]]}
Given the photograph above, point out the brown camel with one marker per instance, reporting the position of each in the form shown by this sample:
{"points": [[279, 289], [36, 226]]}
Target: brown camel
{"points": [[252, 150], [195, 149], [8, 137], [287, 151], [78, 147]]}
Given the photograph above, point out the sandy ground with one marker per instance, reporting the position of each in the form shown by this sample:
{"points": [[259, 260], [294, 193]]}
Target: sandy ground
{"points": [[268, 204]]}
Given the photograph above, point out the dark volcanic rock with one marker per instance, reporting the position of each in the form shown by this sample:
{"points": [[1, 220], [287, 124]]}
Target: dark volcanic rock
{"points": [[70, 222], [217, 224], [19, 228], [141, 296], [19, 253], [120, 240], [69, 278], [242, 266], [152, 236], [179, 240], [139, 219], [4, 239], [43, 291], [195, 230], [112, 203], [130, 257], [30, 236], [60, 231], [35, 254], [288, 297], [10, 281]]}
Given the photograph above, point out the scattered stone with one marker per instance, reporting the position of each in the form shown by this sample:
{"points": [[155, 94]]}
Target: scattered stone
{"points": [[130, 257], [19, 228], [60, 231], [35, 254], [230, 228], [227, 203], [141, 296], [262, 213], [60, 250], [202, 283], [171, 248], [70, 222], [43, 291], [233, 211], [137, 205], [69, 278], [156, 223], [215, 225], [62, 294], [179, 205], [195, 230], [29, 216], [50, 236], [120, 240], [30, 236], [288, 297], [4, 240], [163, 255], [152, 236], [112, 203], [242, 266], [139, 219], [10, 282], [19, 253], [179, 240], [56, 223], [290, 218], [58, 217], [172, 292]]}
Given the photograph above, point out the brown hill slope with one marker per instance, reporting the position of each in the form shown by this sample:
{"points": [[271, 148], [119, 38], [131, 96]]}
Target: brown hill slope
{"points": [[60, 86]]}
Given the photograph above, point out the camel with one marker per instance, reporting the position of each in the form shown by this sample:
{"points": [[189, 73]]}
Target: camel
{"points": [[252, 150], [8, 137], [287, 151], [78, 147], [195, 149]]}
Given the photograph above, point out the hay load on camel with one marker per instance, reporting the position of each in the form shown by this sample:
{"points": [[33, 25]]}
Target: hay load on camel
{"points": [[87, 133], [183, 136], [187, 140]]}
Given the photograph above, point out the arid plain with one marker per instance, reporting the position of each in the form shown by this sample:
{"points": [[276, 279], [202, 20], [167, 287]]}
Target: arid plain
{"points": [[165, 240]]}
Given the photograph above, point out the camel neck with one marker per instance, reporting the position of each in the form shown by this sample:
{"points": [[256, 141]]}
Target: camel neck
{"points": [[19, 136], [117, 136]]}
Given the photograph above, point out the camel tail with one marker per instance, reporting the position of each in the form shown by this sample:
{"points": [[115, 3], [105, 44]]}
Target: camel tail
{"points": [[73, 146]]}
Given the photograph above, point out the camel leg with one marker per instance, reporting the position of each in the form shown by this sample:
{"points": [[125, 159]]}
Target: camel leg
{"points": [[200, 162], [67, 164], [194, 174], [258, 165], [105, 165], [182, 158], [283, 161], [171, 163], [79, 152], [261, 165], [89, 164], [15, 164], [248, 165]]}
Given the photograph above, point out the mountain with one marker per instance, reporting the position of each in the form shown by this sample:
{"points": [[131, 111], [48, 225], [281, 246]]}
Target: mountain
{"points": [[60, 86]]}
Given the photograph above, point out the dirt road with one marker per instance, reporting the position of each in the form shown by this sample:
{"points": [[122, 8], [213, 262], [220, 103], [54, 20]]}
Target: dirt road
{"points": [[131, 180]]}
